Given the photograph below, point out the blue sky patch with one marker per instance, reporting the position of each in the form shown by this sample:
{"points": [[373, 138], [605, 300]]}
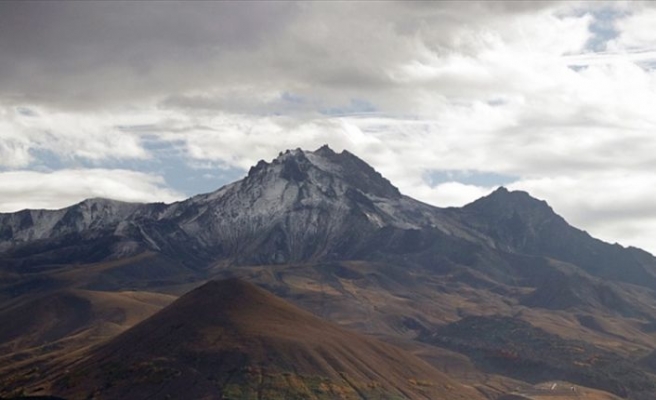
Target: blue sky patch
{"points": [[475, 178], [168, 161], [356, 106], [603, 27]]}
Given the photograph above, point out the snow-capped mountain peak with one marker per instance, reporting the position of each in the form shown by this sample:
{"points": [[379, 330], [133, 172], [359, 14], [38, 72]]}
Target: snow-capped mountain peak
{"points": [[300, 205]]}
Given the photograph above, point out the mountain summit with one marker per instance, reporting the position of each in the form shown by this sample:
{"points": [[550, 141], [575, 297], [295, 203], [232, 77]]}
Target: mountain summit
{"points": [[522, 224], [329, 171], [303, 205]]}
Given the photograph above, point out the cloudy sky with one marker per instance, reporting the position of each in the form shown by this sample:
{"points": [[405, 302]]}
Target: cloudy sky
{"points": [[146, 101]]}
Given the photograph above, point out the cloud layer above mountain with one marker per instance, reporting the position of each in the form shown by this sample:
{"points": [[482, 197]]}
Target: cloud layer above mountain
{"points": [[446, 99]]}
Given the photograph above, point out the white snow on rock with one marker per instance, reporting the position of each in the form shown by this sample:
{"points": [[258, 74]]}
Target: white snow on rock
{"points": [[310, 196]]}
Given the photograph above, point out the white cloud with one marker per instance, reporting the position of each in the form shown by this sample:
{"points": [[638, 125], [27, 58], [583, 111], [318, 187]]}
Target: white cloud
{"points": [[636, 31], [29, 189], [91, 136], [448, 194]]}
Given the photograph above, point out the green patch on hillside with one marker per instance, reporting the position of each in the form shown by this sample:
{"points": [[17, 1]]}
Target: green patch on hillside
{"points": [[255, 383]]}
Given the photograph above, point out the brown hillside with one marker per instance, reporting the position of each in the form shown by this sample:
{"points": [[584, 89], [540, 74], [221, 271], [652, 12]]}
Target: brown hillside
{"points": [[39, 333], [43, 320], [74, 313], [231, 339]]}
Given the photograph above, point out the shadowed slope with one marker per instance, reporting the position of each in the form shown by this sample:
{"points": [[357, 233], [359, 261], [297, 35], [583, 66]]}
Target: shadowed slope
{"points": [[231, 339], [74, 313], [520, 223], [516, 348]]}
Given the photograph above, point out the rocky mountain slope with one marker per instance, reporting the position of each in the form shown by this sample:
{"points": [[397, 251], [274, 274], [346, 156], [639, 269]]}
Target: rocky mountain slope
{"points": [[306, 207], [302, 206]]}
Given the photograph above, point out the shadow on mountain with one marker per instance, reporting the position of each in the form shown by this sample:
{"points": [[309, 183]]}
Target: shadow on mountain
{"points": [[514, 348]]}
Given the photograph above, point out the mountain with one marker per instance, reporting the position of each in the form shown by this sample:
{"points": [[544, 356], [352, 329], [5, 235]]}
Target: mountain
{"points": [[328, 233], [522, 224], [231, 339], [308, 206], [301, 206]]}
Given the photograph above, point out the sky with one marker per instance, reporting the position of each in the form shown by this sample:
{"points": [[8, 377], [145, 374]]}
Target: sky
{"points": [[158, 101]]}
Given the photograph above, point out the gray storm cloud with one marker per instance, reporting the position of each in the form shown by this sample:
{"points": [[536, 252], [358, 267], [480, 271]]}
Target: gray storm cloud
{"points": [[70, 53], [79, 54]]}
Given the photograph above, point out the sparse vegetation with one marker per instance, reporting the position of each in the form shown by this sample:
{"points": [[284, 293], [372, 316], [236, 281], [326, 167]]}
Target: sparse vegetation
{"points": [[515, 348]]}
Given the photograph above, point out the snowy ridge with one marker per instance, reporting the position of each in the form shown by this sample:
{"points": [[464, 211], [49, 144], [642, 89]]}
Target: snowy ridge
{"points": [[31, 225], [304, 205], [301, 205]]}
